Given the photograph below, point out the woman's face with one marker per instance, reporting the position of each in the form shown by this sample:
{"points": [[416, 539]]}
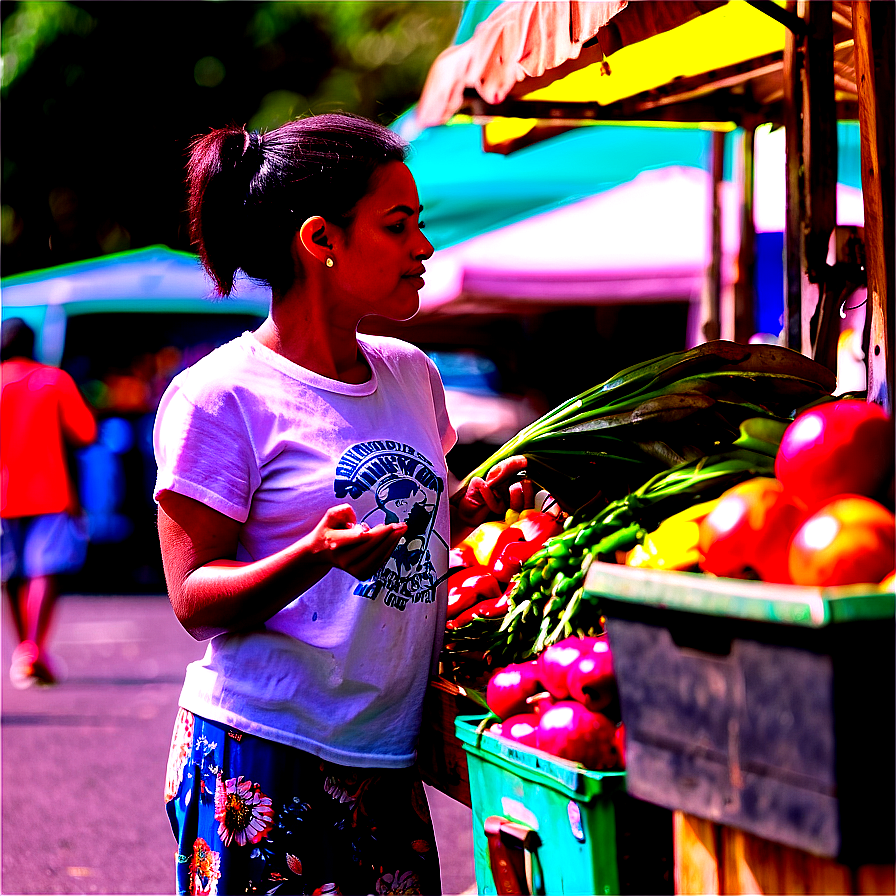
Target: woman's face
{"points": [[379, 256]]}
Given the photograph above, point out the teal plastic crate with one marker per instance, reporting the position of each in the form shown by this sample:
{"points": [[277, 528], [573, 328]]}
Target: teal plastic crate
{"points": [[543, 825]]}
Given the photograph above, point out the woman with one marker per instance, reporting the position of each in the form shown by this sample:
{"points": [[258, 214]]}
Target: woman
{"points": [[292, 462]]}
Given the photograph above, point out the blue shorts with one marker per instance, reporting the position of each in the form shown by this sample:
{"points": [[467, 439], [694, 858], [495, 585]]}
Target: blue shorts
{"points": [[45, 545], [254, 816]]}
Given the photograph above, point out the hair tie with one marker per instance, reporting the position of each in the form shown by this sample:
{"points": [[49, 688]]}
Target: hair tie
{"points": [[253, 150]]}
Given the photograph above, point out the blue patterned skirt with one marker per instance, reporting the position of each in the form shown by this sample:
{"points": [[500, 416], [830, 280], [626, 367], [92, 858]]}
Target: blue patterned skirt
{"points": [[254, 816]]}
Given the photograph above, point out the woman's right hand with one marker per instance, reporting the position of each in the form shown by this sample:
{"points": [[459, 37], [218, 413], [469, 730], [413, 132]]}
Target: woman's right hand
{"points": [[340, 541], [212, 592]]}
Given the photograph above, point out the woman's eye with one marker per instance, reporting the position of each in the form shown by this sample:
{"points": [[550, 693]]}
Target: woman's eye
{"points": [[397, 228]]}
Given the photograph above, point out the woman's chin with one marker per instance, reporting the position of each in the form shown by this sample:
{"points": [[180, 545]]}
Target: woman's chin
{"points": [[397, 313]]}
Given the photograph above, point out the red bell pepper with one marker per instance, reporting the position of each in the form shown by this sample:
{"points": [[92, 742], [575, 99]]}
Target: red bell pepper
{"points": [[538, 526], [507, 564], [487, 609], [469, 587], [511, 535], [461, 557]]}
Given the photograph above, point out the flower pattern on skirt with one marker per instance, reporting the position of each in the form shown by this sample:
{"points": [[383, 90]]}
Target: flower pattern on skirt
{"points": [[205, 869], [243, 810], [254, 816], [181, 745]]}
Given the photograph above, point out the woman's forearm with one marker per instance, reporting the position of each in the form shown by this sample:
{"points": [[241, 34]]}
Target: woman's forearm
{"points": [[212, 593], [227, 595]]}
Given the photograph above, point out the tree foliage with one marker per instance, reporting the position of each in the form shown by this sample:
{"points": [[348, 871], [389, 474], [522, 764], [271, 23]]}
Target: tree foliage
{"points": [[101, 99]]}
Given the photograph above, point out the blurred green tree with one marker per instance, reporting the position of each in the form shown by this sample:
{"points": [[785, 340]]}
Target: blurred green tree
{"points": [[101, 99]]}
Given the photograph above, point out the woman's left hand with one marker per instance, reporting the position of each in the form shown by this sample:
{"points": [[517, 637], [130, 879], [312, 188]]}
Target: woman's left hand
{"points": [[503, 488]]}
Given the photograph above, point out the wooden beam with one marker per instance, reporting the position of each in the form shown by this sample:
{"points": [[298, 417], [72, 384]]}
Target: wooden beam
{"points": [[787, 19], [873, 27]]}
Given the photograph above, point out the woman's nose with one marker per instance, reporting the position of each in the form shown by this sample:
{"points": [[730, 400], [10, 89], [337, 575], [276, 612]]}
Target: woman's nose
{"points": [[425, 250]]}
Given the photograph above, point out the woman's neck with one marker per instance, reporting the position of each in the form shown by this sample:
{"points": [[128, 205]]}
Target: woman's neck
{"points": [[315, 344]]}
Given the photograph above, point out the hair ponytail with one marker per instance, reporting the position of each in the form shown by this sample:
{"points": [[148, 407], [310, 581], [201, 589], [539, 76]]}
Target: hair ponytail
{"points": [[249, 193], [220, 172]]}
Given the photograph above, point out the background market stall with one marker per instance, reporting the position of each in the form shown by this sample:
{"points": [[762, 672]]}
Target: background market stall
{"points": [[527, 70], [123, 326]]}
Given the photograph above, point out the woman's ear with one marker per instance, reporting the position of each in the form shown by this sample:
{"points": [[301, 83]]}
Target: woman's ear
{"points": [[315, 239]]}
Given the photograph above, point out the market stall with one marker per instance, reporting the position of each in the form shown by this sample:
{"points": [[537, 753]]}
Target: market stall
{"points": [[699, 611]]}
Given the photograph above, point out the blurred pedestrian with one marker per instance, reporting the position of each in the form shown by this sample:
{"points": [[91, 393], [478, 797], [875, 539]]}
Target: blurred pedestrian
{"points": [[304, 523], [44, 533]]}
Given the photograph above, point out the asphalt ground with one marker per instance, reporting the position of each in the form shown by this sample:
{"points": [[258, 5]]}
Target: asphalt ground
{"points": [[82, 764]]}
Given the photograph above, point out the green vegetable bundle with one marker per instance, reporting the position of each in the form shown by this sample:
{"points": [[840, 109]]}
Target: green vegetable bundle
{"points": [[658, 415]]}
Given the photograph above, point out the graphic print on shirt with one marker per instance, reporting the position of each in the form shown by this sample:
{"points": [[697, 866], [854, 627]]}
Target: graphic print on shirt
{"points": [[392, 483]]}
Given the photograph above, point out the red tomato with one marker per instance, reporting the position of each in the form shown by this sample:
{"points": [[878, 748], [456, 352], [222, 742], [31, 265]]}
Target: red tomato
{"points": [[750, 529], [619, 745], [554, 662], [848, 541], [840, 447], [591, 679], [509, 689], [522, 728], [571, 731]]}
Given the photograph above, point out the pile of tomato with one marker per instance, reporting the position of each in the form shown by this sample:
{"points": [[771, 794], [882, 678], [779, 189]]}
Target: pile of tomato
{"points": [[825, 518], [564, 702]]}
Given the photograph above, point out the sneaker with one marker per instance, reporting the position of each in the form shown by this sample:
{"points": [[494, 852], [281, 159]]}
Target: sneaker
{"points": [[22, 672], [43, 671]]}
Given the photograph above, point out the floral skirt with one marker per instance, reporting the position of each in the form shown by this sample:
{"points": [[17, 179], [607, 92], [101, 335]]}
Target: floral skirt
{"points": [[254, 816]]}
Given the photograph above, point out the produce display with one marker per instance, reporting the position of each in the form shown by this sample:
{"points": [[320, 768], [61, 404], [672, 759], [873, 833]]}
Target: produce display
{"points": [[564, 703], [728, 460], [610, 439], [825, 518]]}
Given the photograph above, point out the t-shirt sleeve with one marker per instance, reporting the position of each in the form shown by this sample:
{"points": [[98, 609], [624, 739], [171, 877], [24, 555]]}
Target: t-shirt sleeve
{"points": [[447, 432], [203, 451], [76, 418]]}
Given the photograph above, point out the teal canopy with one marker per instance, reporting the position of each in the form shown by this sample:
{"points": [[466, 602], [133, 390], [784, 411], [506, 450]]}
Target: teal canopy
{"points": [[466, 191]]}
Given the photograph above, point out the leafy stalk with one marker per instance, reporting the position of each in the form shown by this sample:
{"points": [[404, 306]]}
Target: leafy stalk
{"points": [[760, 379]]}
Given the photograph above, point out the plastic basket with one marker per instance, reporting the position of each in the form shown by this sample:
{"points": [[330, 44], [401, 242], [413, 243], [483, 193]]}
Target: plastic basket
{"points": [[545, 825]]}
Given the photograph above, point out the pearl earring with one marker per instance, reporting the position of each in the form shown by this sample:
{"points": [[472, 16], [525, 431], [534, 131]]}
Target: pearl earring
{"points": [[330, 262]]}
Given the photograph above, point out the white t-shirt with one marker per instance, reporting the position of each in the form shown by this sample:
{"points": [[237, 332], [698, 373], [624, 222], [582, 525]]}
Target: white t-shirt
{"points": [[342, 670]]}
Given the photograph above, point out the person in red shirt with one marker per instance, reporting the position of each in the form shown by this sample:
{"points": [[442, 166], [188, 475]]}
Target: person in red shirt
{"points": [[43, 534]]}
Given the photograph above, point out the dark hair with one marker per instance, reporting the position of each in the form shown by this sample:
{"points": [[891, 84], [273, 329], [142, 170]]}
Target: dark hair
{"points": [[17, 339], [250, 192]]}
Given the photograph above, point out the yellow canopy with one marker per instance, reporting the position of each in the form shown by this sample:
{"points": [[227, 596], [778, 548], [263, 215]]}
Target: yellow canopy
{"points": [[564, 63]]}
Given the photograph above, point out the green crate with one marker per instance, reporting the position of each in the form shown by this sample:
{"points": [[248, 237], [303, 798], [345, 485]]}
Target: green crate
{"points": [[566, 829]]}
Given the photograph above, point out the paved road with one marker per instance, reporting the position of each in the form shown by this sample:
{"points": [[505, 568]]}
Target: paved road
{"points": [[83, 764]]}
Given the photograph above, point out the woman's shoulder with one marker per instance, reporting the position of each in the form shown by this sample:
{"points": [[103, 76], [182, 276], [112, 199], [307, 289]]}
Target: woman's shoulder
{"points": [[222, 370], [391, 349]]}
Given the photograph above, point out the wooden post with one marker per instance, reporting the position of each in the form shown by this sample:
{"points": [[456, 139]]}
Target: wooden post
{"points": [[712, 291], [819, 115], [873, 31], [745, 286], [794, 211], [811, 158], [716, 860]]}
